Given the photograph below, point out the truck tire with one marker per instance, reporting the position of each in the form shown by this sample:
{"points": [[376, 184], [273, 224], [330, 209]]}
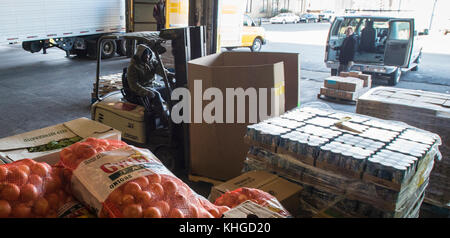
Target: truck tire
{"points": [[395, 77], [257, 45], [108, 49], [81, 53]]}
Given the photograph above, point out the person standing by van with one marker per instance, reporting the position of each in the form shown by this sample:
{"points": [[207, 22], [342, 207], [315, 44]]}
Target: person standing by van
{"points": [[347, 51]]}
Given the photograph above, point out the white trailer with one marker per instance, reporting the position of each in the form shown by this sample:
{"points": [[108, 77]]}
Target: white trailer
{"points": [[73, 26]]}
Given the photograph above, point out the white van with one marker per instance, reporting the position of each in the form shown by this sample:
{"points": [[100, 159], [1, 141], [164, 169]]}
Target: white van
{"points": [[391, 45]]}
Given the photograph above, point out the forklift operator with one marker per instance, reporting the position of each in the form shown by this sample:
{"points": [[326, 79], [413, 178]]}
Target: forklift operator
{"points": [[141, 72], [140, 76]]}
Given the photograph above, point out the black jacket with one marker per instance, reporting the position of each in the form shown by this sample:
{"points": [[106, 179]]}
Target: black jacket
{"points": [[348, 49], [141, 75]]}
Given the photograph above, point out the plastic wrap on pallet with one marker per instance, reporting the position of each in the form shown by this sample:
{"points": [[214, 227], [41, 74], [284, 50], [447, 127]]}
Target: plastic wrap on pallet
{"points": [[426, 110], [317, 141], [385, 164], [367, 191], [315, 202]]}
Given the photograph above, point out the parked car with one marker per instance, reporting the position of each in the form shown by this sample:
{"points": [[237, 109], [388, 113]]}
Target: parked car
{"points": [[326, 16], [388, 46], [309, 17], [285, 18]]}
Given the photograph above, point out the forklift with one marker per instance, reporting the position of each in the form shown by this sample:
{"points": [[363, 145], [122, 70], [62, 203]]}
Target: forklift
{"points": [[141, 123]]}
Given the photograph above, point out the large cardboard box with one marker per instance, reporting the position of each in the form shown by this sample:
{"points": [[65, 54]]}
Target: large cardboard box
{"points": [[16, 147], [217, 150], [287, 193]]}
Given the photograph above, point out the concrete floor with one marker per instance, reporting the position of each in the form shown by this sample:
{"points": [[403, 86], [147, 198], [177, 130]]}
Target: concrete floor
{"points": [[42, 90]]}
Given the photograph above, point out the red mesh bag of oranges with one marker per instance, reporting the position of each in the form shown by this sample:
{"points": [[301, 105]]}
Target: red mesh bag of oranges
{"points": [[117, 180], [236, 197], [29, 189]]}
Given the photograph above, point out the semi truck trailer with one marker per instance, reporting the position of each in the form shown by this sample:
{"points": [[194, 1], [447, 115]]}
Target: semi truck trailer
{"points": [[72, 26]]}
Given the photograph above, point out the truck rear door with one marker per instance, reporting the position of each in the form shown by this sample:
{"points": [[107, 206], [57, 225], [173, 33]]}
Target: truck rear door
{"points": [[399, 43], [177, 12], [140, 15], [230, 22]]}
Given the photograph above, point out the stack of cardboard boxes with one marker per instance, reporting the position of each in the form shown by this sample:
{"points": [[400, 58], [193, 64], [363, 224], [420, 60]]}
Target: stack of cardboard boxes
{"points": [[348, 86], [363, 167], [426, 110]]}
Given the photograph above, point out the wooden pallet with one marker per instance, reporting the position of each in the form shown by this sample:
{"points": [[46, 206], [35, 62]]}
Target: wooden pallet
{"points": [[336, 100], [197, 179]]}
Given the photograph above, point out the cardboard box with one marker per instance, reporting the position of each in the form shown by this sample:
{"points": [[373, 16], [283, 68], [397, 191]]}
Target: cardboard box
{"points": [[366, 77], [249, 209], [217, 150], [15, 147], [354, 73], [287, 193], [351, 96], [367, 80], [332, 82], [344, 74], [351, 84], [291, 63]]}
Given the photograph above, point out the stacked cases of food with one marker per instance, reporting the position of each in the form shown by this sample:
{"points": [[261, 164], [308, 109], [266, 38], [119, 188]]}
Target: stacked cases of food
{"points": [[350, 165], [348, 86], [426, 110]]}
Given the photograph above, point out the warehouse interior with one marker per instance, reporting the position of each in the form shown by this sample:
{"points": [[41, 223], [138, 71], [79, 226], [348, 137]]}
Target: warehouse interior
{"points": [[368, 151]]}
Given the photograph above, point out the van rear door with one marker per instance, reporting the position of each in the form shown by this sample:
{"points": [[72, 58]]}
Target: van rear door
{"points": [[333, 40], [399, 43]]}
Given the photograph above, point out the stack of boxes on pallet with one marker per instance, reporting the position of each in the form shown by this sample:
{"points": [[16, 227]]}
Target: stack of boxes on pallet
{"points": [[358, 167], [348, 86], [426, 110]]}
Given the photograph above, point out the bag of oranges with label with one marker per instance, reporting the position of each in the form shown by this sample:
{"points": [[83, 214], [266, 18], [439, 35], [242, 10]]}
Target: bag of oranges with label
{"points": [[117, 180]]}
